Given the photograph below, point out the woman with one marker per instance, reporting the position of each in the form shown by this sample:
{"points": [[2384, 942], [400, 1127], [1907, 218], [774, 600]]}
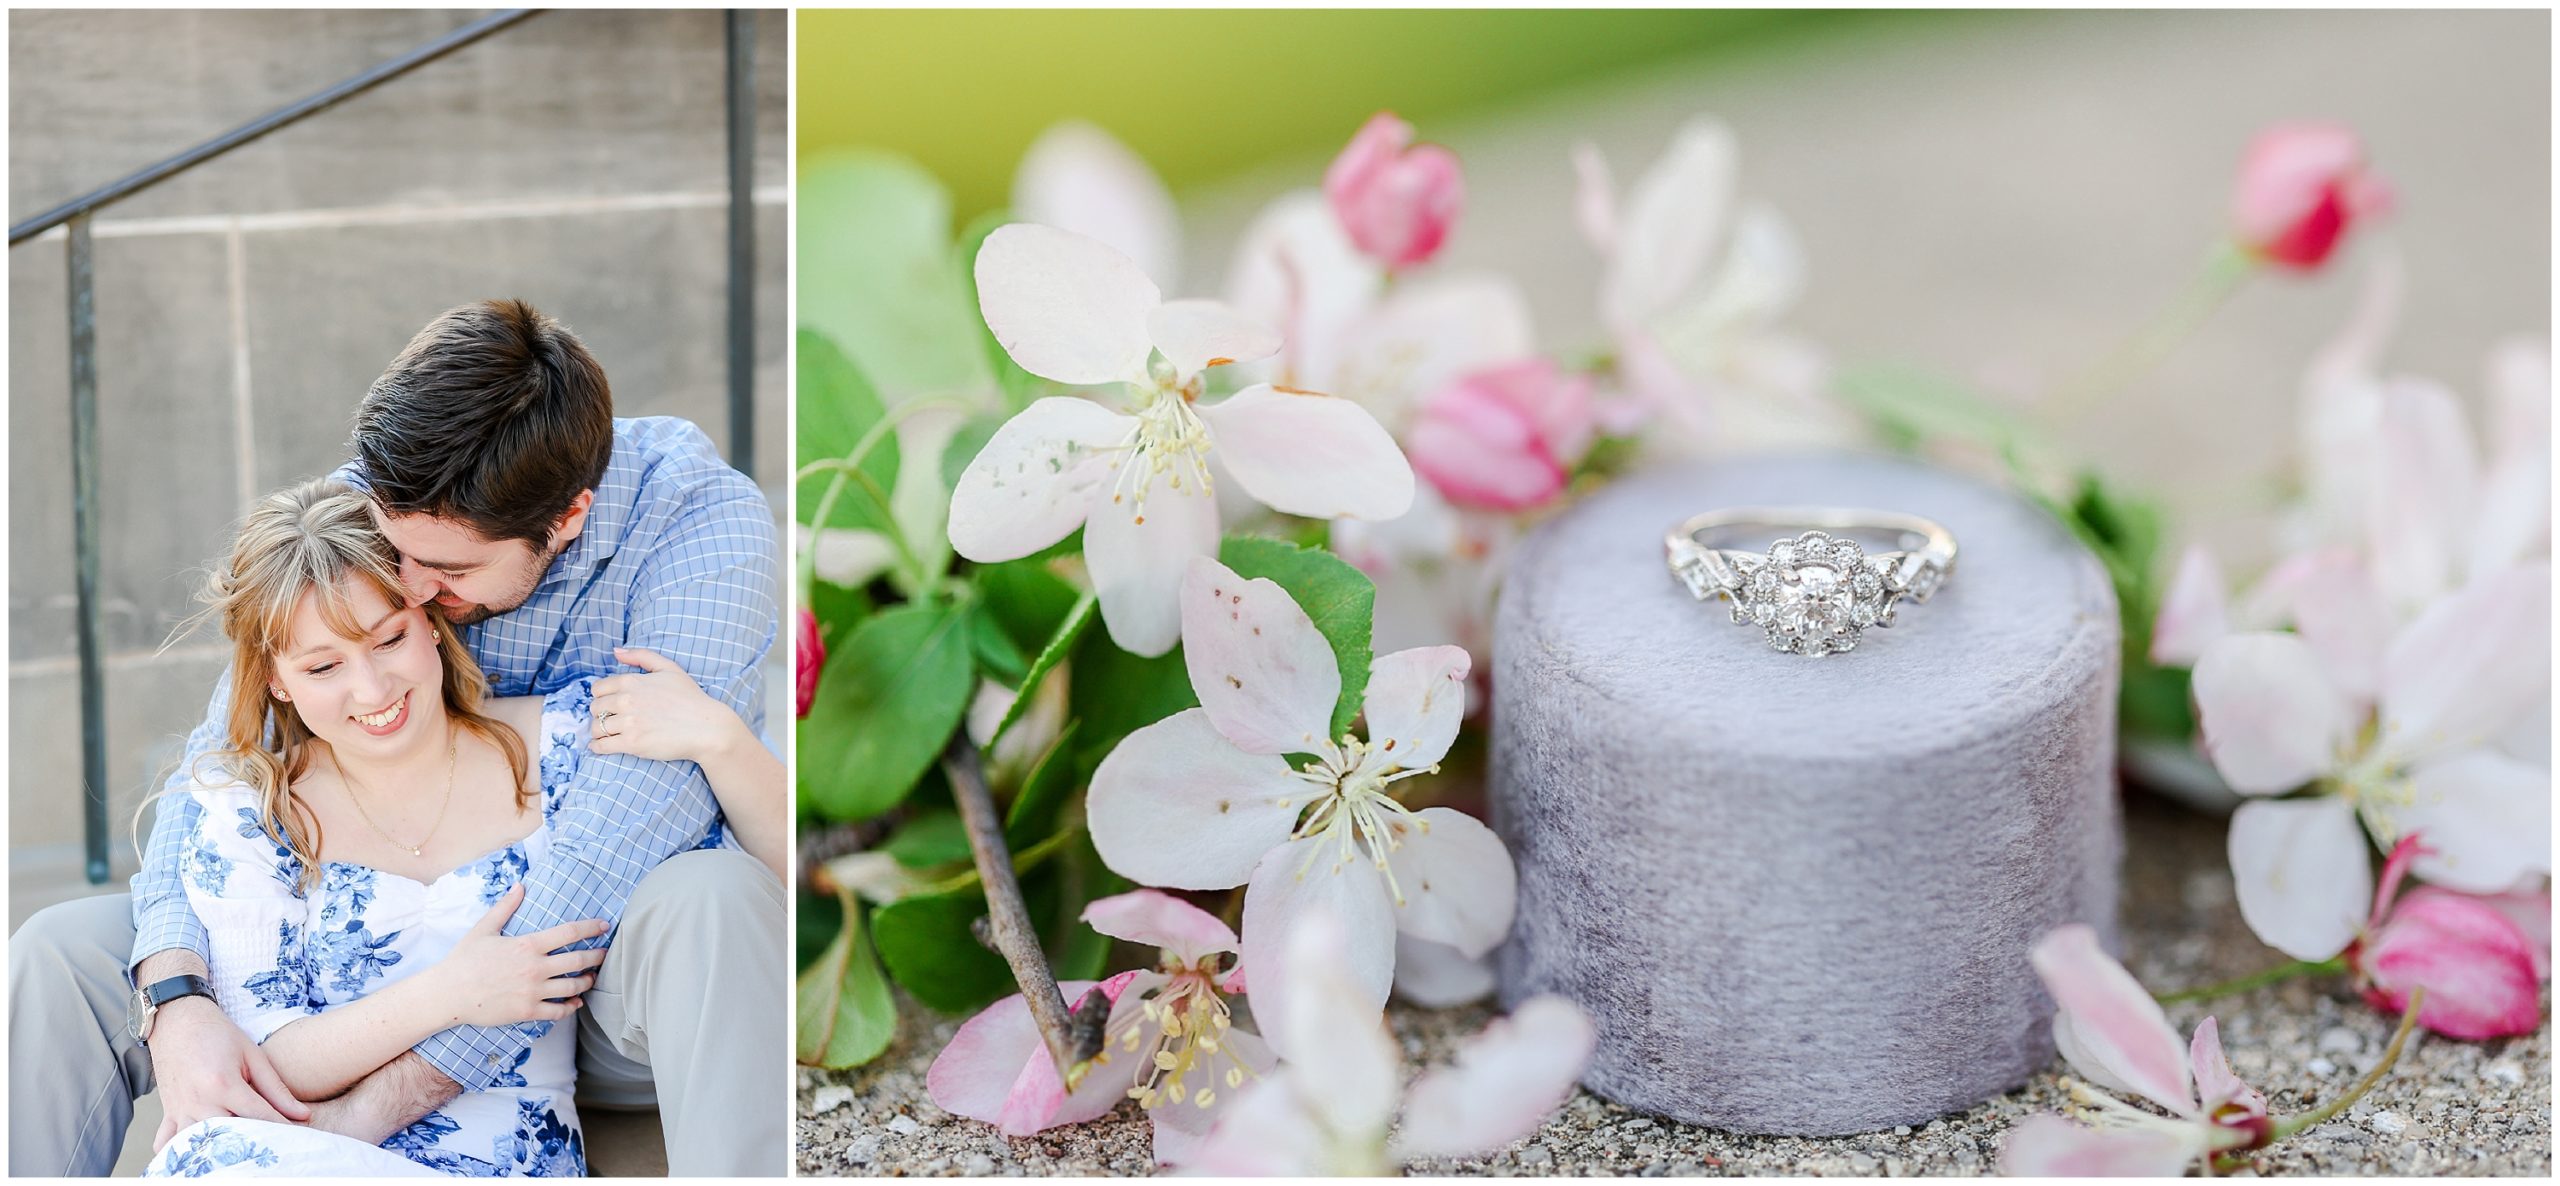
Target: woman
{"points": [[363, 835]]}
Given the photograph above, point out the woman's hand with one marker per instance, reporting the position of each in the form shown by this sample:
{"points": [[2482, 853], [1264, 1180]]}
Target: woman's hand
{"points": [[495, 979], [661, 713]]}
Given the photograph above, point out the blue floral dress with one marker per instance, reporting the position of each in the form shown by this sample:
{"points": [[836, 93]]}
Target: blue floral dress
{"points": [[280, 955]]}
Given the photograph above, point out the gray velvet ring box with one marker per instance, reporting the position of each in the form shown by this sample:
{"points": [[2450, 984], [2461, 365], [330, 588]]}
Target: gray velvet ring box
{"points": [[1797, 894]]}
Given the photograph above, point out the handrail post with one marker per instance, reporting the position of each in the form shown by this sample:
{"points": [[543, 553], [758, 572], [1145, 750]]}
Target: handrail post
{"points": [[742, 240], [84, 546]]}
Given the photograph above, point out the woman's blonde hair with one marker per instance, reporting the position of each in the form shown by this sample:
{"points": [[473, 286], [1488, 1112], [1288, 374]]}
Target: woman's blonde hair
{"points": [[315, 539]]}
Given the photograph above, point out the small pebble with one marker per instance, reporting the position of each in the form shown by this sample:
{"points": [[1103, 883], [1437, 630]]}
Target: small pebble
{"points": [[2321, 1067], [1902, 1130], [830, 1098], [2507, 1072], [1537, 1155], [2388, 1124], [864, 1150], [2338, 1039], [1638, 1124], [979, 1166], [1860, 1163], [904, 1126]]}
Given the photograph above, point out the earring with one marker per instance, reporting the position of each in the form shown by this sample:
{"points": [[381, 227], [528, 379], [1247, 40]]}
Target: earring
{"points": [[279, 694]]}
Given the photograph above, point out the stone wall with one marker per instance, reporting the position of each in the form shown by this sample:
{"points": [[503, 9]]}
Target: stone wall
{"points": [[576, 160]]}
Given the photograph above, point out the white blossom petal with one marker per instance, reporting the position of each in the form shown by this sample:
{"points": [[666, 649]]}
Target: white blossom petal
{"points": [[1676, 215], [1268, 1132], [2336, 607], [1414, 702], [1180, 1128], [1504, 1084], [1197, 335], [2515, 495], [1296, 269], [1335, 1022], [1156, 919], [1136, 551], [2422, 497], [1177, 805], [1595, 198], [1065, 306], [1309, 454], [2271, 717], [1426, 335], [2485, 818], [1436, 975], [1077, 177], [1457, 881], [2195, 613], [1308, 878], [2300, 869], [1263, 672], [2469, 666], [1036, 479]]}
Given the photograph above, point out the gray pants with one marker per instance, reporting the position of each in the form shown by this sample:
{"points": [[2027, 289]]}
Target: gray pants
{"points": [[688, 1013]]}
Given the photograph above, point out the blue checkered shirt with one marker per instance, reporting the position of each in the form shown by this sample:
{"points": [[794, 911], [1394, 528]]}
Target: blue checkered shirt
{"points": [[678, 556]]}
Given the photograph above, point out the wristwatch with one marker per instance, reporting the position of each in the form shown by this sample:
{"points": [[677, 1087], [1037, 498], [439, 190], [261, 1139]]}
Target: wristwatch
{"points": [[144, 1007]]}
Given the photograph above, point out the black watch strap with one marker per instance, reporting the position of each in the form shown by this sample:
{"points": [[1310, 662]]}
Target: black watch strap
{"points": [[161, 992]]}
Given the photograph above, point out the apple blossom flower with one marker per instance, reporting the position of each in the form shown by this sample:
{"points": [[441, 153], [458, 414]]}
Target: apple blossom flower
{"points": [[2436, 749], [2115, 1035], [1070, 309], [1395, 199], [1207, 798], [808, 653], [2475, 962], [1328, 1111], [1692, 284], [2302, 186], [1505, 438], [1170, 1041]]}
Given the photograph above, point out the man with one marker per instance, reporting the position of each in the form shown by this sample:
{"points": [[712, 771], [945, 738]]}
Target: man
{"points": [[550, 533]]}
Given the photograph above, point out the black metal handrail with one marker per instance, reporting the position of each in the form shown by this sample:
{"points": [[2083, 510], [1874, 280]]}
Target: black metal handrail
{"points": [[74, 215]]}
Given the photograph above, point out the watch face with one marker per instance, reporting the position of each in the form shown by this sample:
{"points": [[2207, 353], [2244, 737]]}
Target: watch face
{"points": [[137, 1016]]}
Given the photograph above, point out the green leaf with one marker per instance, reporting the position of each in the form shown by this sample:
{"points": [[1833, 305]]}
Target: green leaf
{"points": [[1060, 644], [930, 838], [839, 610], [886, 702], [845, 1013], [1114, 693], [875, 273], [1017, 384], [994, 647], [1909, 407], [815, 927], [1339, 598], [837, 405], [1028, 597], [927, 944], [1077, 951], [1045, 790]]}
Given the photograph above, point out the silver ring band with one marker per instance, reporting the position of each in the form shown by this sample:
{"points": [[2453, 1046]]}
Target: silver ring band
{"points": [[1817, 592]]}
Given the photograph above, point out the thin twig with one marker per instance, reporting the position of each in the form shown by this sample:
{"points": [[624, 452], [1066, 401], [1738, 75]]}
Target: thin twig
{"points": [[2390, 1057], [1008, 920]]}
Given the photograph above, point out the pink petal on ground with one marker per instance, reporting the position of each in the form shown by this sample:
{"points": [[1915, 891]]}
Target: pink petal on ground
{"points": [[2115, 1022], [1504, 1084], [2477, 968], [2052, 1147], [2215, 1083]]}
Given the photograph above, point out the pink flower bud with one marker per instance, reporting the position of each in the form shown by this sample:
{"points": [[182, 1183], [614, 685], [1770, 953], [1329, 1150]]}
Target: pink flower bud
{"points": [[2477, 965], [807, 653], [2302, 187], [1395, 200], [1504, 438]]}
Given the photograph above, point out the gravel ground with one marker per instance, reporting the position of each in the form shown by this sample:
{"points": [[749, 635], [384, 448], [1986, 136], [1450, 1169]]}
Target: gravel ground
{"points": [[2449, 1108]]}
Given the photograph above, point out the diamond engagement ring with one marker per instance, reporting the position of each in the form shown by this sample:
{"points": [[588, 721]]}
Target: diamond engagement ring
{"points": [[1815, 593]]}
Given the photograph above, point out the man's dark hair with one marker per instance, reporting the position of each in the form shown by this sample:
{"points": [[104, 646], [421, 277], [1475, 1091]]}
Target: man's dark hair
{"points": [[494, 415]]}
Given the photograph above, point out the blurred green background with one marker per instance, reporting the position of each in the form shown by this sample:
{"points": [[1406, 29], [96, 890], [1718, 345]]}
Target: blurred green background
{"points": [[1200, 94]]}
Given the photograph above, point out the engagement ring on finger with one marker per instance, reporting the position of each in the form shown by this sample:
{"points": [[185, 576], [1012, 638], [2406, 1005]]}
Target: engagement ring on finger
{"points": [[1816, 592]]}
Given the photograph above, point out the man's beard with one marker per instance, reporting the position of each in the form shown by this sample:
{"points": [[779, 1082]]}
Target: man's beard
{"points": [[470, 614]]}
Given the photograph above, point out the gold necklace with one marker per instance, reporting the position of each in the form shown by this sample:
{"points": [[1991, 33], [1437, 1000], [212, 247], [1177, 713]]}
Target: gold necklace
{"points": [[452, 757]]}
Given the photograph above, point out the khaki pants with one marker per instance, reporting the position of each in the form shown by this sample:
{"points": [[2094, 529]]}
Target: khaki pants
{"points": [[688, 1013]]}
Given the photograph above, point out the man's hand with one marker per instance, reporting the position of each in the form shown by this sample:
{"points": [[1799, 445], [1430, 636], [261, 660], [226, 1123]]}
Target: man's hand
{"points": [[386, 1101], [207, 1067]]}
